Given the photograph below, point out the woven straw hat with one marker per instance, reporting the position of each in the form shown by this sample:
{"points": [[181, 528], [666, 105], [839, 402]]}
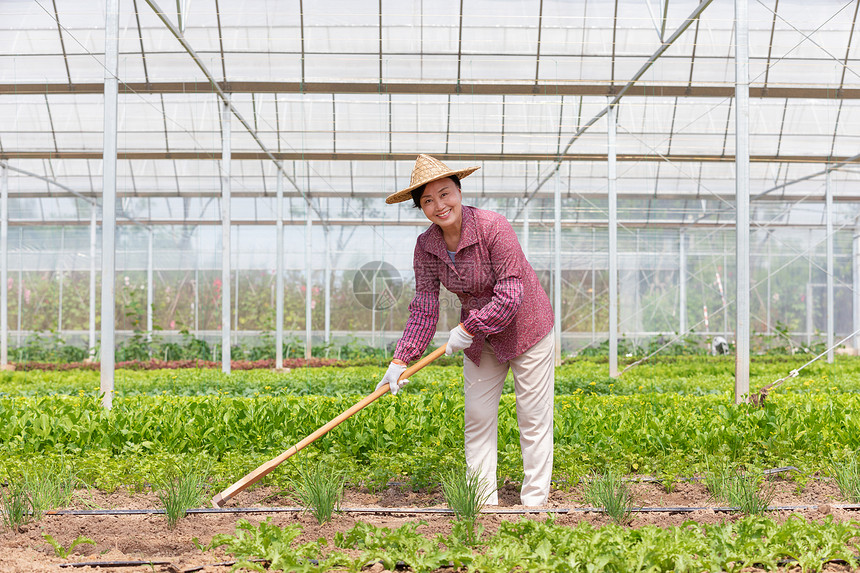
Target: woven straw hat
{"points": [[427, 169]]}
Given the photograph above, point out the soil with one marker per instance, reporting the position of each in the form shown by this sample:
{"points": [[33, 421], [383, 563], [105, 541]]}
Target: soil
{"points": [[146, 538]]}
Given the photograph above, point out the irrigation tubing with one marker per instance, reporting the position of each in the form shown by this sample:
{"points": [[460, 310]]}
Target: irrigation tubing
{"points": [[115, 564], [107, 564], [649, 479], [437, 510], [110, 564], [400, 564], [429, 510]]}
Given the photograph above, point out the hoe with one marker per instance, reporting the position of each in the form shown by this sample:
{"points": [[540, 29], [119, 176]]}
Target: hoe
{"points": [[258, 474]]}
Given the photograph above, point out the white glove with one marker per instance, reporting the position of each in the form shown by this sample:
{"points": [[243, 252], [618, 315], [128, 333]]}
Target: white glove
{"points": [[391, 375], [458, 340]]}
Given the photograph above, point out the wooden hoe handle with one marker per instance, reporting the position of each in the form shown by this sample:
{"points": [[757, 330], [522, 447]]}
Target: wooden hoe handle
{"points": [[258, 474]]}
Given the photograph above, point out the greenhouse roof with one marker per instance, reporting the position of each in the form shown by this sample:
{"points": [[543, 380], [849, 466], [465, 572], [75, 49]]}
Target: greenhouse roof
{"points": [[346, 93]]}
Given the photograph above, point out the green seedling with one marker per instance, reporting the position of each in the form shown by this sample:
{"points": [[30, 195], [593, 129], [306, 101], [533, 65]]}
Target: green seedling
{"points": [[847, 476], [750, 493], [63, 552], [611, 493], [180, 491], [50, 488], [466, 494], [754, 494], [319, 491], [16, 505], [669, 481]]}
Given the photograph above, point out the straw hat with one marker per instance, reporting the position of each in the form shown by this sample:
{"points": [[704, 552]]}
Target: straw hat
{"points": [[427, 169]]}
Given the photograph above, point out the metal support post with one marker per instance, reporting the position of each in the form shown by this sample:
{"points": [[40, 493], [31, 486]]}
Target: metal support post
{"points": [[279, 270], [855, 264], [742, 196], [682, 282], [61, 265], [635, 275], [613, 244], [197, 302], [20, 284], [308, 286], [724, 288], [111, 97], [768, 326], [4, 266], [373, 313], [93, 235], [828, 200], [593, 290], [149, 286], [810, 319], [234, 295], [557, 275], [327, 285], [226, 156]]}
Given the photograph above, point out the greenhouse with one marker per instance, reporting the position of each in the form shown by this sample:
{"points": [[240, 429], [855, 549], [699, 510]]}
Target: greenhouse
{"points": [[191, 189]]}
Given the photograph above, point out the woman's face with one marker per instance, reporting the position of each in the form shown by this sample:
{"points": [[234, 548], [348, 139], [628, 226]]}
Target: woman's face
{"points": [[441, 203]]}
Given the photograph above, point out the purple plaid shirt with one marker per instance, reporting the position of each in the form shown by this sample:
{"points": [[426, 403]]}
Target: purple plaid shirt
{"points": [[502, 299]]}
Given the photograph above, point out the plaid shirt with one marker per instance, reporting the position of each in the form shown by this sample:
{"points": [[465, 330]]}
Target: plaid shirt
{"points": [[501, 297]]}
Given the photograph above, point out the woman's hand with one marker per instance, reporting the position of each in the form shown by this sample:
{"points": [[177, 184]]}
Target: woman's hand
{"points": [[395, 369], [459, 339]]}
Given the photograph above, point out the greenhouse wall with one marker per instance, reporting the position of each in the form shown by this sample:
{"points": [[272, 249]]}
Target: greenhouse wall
{"points": [[49, 278]]}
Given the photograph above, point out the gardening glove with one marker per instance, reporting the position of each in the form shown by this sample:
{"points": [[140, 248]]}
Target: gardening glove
{"points": [[459, 339], [395, 369]]}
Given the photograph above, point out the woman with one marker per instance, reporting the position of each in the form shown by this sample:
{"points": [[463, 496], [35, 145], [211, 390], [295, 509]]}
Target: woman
{"points": [[506, 323]]}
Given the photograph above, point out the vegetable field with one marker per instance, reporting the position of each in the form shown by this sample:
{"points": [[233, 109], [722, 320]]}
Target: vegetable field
{"points": [[668, 418], [668, 422]]}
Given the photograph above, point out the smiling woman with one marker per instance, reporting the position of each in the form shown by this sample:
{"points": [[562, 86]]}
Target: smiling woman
{"points": [[506, 323], [441, 201]]}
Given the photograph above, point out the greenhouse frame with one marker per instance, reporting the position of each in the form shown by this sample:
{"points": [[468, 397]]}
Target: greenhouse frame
{"points": [[675, 170]]}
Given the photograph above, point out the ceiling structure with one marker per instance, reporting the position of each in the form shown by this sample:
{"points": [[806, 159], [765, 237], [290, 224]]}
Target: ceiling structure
{"points": [[346, 93]]}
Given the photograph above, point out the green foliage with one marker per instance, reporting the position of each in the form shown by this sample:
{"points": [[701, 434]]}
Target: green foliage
{"points": [[610, 492], [665, 418], [40, 488], [51, 486], [530, 545], [48, 347], [751, 493], [665, 345], [63, 552], [181, 489], [686, 376], [135, 348], [466, 494], [847, 476], [354, 349], [394, 547], [320, 491], [670, 476], [421, 432], [16, 506], [275, 545]]}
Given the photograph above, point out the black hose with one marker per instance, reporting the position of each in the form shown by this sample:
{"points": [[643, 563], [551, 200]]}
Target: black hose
{"points": [[114, 563], [145, 563], [435, 510]]}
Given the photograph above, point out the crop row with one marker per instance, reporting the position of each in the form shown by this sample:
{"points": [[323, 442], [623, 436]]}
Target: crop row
{"points": [[681, 375], [420, 434], [528, 545]]}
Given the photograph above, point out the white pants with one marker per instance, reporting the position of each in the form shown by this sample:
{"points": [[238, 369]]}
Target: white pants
{"points": [[534, 383]]}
